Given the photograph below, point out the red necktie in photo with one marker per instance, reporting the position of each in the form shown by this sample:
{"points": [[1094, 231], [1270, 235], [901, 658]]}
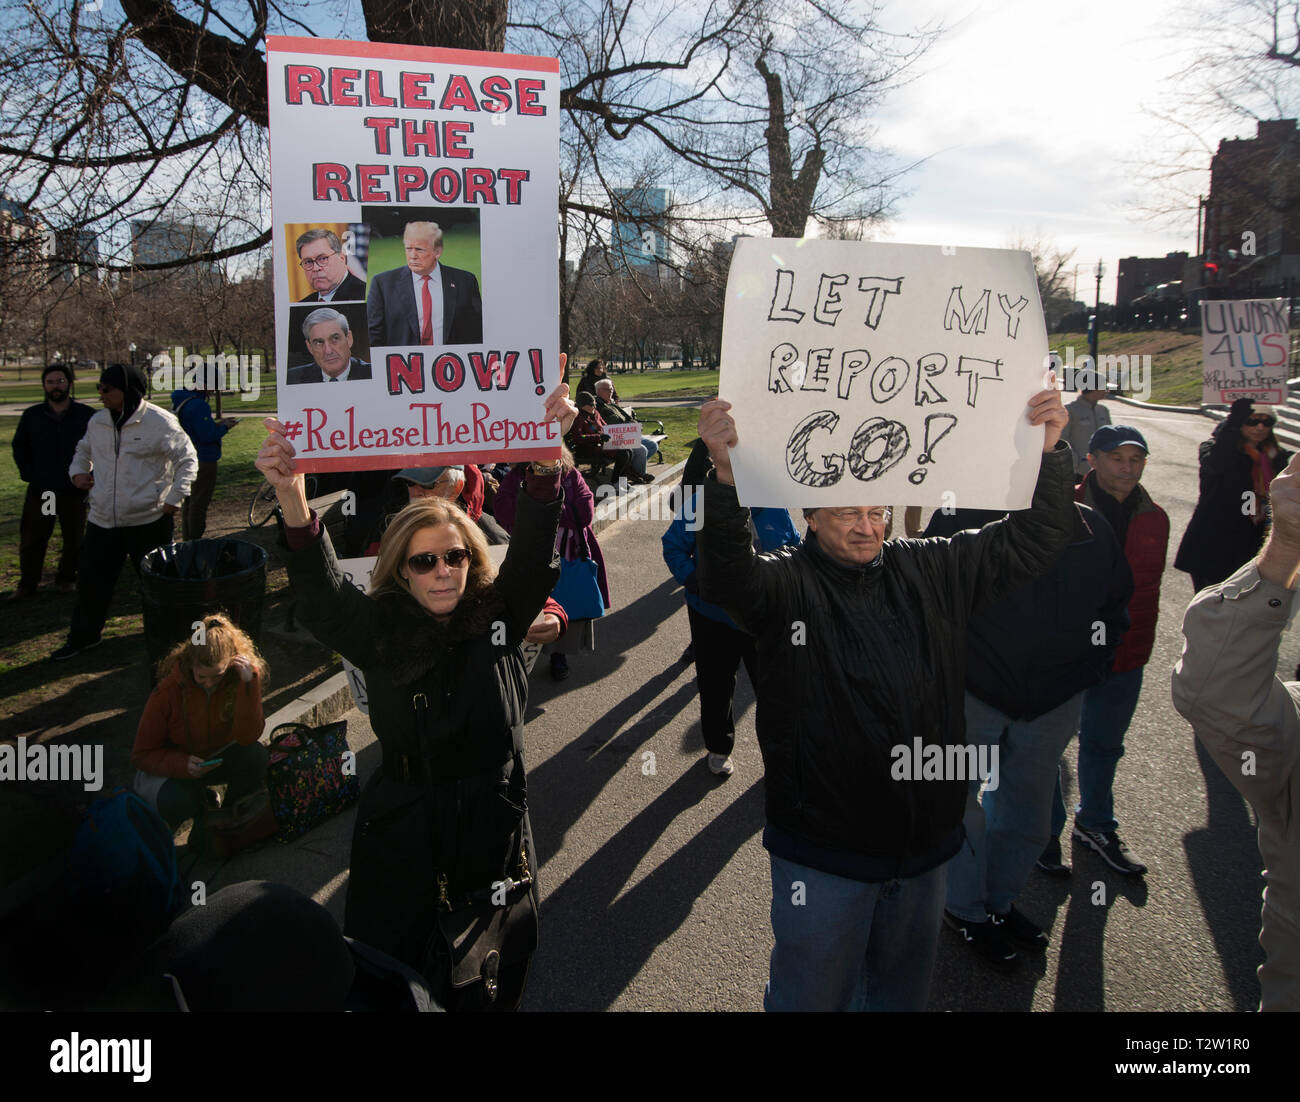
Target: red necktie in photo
{"points": [[426, 300]]}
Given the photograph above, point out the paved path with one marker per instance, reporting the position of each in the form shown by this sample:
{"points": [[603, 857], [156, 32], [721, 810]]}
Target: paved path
{"points": [[656, 889]]}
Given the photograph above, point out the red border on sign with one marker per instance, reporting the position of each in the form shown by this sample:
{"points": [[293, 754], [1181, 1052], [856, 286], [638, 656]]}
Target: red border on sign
{"points": [[343, 47]]}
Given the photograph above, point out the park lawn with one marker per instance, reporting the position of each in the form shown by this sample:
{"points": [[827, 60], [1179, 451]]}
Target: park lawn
{"points": [[661, 384], [1175, 360]]}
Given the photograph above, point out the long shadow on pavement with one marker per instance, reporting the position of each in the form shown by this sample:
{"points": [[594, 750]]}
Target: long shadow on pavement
{"points": [[593, 940]]}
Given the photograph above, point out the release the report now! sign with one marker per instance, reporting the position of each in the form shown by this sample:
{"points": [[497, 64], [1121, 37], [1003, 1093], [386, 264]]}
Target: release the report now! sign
{"points": [[416, 283]]}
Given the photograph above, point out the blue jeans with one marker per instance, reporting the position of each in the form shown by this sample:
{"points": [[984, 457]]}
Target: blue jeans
{"points": [[851, 946], [1007, 834], [1107, 711]]}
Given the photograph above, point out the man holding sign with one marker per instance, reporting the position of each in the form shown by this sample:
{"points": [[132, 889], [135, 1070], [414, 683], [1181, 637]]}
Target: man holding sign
{"points": [[861, 644]]}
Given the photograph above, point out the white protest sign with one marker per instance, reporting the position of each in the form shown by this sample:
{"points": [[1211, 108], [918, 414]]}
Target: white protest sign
{"points": [[873, 374], [1245, 346], [384, 159], [624, 437], [358, 571]]}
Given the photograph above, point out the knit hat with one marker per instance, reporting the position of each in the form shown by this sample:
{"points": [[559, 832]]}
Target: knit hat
{"points": [[127, 378], [584, 398]]}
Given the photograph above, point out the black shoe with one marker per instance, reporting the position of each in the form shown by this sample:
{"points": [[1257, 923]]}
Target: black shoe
{"points": [[71, 650], [1050, 862], [559, 667], [1111, 849], [1020, 928], [987, 940]]}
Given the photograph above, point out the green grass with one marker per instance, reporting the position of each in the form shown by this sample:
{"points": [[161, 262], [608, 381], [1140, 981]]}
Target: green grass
{"points": [[661, 384], [1175, 359]]}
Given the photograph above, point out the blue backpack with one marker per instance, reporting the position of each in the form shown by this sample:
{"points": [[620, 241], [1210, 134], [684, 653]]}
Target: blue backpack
{"points": [[123, 862]]}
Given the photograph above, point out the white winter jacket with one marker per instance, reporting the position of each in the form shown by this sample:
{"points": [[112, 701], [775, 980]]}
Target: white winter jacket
{"points": [[149, 464]]}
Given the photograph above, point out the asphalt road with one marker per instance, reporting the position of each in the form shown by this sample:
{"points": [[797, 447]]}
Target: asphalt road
{"points": [[655, 888]]}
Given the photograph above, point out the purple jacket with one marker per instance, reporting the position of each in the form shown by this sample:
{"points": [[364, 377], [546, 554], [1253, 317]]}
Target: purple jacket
{"points": [[575, 533]]}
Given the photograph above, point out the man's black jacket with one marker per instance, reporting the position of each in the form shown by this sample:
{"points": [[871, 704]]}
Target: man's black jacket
{"points": [[1052, 637], [857, 660], [44, 444]]}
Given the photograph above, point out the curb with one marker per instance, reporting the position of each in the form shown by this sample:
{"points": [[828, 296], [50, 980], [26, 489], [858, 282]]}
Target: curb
{"points": [[332, 698]]}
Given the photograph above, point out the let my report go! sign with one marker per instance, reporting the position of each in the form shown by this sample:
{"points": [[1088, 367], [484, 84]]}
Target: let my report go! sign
{"points": [[875, 374], [383, 359]]}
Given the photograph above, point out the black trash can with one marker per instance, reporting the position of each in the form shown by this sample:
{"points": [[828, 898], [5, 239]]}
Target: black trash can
{"points": [[184, 582]]}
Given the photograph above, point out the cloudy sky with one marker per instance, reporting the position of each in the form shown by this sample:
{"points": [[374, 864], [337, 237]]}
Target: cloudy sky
{"points": [[1030, 114]]}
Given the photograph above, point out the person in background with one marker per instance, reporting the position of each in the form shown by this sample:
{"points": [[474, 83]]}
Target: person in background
{"points": [[138, 464], [44, 444], [195, 415], [1226, 686], [574, 541], [614, 414], [201, 726], [1231, 516], [594, 372], [1117, 456], [1087, 415], [718, 647], [590, 439]]}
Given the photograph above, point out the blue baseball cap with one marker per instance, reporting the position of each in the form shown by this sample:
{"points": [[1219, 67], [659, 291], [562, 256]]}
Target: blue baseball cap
{"points": [[1109, 437]]}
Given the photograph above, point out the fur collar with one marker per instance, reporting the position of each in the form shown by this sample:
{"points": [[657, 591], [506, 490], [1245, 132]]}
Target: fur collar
{"points": [[413, 642]]}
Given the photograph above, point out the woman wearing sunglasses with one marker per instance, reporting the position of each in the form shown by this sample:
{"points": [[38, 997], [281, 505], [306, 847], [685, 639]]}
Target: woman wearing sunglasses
{"points": [[442, 859], [1231, 517]]}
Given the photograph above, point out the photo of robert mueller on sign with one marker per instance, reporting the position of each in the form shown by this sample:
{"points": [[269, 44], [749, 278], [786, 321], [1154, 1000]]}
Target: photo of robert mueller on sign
{"points": [[414, 191]]}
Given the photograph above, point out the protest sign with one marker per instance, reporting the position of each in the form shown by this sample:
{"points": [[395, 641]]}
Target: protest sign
{"points": [[872, 374], [1246, 347], [624, 437], [384, 159]]}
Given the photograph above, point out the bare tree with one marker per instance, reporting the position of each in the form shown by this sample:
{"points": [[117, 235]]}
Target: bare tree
{"points": [[1053, 268]]}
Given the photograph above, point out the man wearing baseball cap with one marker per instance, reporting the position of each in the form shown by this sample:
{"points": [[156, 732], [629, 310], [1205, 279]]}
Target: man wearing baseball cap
{"points": [[1117, 455]]}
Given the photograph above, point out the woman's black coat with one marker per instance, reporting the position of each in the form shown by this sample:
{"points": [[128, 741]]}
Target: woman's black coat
{"points": [[447, 699], [1222, 535]]}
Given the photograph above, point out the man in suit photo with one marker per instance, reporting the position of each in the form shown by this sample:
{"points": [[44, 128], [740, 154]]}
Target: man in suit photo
{"points": [[329, 340], [320, 255], [425, 302]]}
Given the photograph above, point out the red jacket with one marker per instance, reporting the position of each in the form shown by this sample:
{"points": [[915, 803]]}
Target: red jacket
{"points": [[1145, 547], [181, 719]]}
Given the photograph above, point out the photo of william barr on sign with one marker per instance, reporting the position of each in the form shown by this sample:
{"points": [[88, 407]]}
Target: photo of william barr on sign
{"points": [[425, 303]]}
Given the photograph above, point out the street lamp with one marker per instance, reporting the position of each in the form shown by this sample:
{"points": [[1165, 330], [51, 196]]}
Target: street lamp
{"points": [[1099, 271], [131, 348]]}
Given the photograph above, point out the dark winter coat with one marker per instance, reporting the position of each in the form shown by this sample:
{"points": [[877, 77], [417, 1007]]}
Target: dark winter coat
{"points": [[1221, 536], [447, 705], [1146, 545], [858, 660], [1055, 636], [44, 444]]}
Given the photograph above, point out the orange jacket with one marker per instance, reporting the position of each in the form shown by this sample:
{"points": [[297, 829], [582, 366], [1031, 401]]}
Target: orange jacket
{"points": [[181, 719]]}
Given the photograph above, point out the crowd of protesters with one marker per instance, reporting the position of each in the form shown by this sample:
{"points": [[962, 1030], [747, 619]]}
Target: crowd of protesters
{"points": [[999, 636]]}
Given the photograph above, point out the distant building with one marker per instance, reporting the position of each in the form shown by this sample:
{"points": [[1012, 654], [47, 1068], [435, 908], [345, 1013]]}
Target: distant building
{"points": [[1251, 228], [639, 238], [162, 241], [22, 239], [79, 253], [1140, 275]]}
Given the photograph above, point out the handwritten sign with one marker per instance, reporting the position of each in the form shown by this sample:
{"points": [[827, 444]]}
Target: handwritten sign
{"points": [[624, 437], [873, 374], [1245, 346], [414, 209]]}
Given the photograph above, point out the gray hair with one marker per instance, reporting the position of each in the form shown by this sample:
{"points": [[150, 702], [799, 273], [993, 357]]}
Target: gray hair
{"points": [[318, 235], [322, 315]]}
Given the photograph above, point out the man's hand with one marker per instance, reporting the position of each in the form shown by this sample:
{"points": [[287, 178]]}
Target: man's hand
{"points": [[545, 629], [83, 481], [1280, 559], [718, 431], [1045, 409], [171, 510]]}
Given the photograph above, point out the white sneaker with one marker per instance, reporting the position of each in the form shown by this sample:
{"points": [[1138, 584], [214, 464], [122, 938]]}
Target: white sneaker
{"points": [[721, 765]]}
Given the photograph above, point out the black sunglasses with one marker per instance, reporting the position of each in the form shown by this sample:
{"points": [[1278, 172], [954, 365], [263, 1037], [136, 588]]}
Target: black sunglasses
{"points": [[428, 560], [1261, 421]]}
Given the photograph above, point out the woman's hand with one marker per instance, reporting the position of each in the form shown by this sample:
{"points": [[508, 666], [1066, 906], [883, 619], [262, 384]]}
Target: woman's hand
{"points": [[275, 461], [558, 406], [195, 767], [243, 666], [545, 629]]}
